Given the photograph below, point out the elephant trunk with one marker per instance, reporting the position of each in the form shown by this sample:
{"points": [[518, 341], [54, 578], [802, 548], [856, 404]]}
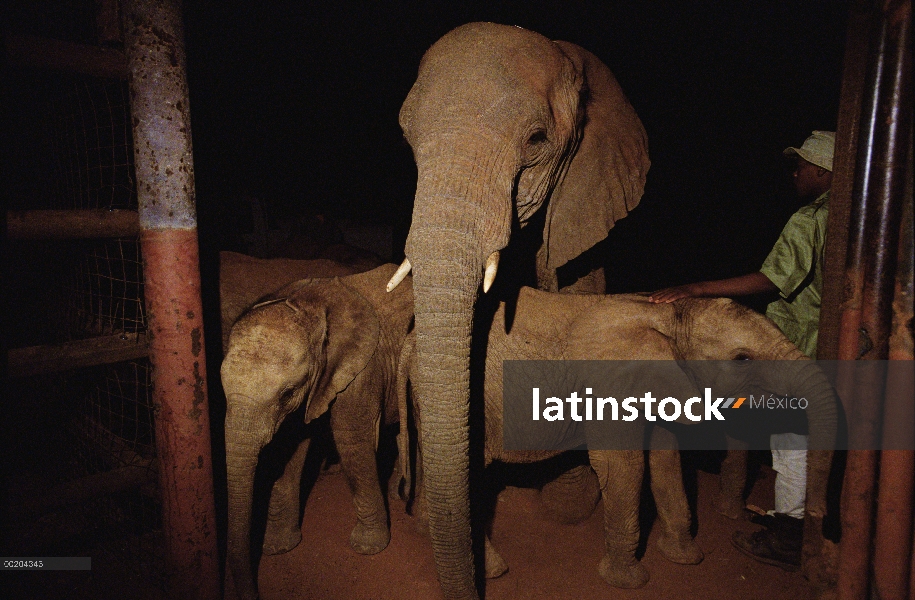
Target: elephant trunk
{"points": [[444, 293], [822, 422], [451, 236], [442, 386], [245, 437], [811, 382]]}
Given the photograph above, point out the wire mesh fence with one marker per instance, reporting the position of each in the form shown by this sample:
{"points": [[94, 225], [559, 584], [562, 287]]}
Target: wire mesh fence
{"points": [[85, 161], [114, 433], [103, 294], [89, 157]]}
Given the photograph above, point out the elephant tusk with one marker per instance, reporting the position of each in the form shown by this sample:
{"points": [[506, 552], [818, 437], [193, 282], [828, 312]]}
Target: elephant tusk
{"points": [[492, 265], [399, 274]]}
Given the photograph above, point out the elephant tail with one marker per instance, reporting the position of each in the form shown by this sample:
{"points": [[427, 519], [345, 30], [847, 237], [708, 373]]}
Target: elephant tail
{"points": [[404, 366]]}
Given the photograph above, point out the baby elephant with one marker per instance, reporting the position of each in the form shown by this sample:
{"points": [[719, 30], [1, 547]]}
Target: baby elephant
{"points": [[545, 326], [317, 345], [243, 280]]}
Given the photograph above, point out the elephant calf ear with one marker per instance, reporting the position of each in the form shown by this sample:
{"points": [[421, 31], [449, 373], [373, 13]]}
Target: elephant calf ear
{"points": [[606, 177], [353, 330]]}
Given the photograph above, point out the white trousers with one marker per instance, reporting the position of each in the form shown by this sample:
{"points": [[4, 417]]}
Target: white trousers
{"points": [[789, 461]]}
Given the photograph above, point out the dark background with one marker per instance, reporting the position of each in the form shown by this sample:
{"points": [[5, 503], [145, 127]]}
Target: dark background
{"points": [[296, 103]]}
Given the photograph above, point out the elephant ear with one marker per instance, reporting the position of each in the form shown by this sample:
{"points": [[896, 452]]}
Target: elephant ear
{"points": [[352, 333], [606, 177]]}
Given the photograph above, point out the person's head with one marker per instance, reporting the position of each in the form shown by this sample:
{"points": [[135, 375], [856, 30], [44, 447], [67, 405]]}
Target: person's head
{"points": [[813, 172]]}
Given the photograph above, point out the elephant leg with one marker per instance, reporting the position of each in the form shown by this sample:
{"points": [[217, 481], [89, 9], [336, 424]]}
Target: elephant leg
{"points": [[733, 479], [283, 529], [395, 491], [620, 475], [495, 565], [675, 541], [571, 497], [357, 457]]}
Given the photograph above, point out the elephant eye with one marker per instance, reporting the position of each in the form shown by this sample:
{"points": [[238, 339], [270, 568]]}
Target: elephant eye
{"points": [[537, 137], [742, 356], [290, 397]]}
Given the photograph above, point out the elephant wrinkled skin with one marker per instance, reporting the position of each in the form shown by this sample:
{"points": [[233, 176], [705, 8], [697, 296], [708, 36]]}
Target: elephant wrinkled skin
{"points": [[502, 122], [545, 326], [319, 345]]}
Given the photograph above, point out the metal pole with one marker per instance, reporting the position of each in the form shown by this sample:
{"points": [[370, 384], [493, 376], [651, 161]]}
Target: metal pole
{"points": [[820, 556], [857, 38], [71, 224], [871, 266], [896, 488], [154, 43]]}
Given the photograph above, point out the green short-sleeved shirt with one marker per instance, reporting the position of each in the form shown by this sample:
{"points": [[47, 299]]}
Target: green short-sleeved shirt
{"points": [[795, 266]]}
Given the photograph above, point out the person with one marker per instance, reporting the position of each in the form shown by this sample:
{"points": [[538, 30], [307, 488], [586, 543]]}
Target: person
{"points": [[793, 269]]}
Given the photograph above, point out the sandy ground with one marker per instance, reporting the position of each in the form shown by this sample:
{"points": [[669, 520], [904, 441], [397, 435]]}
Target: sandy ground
{"points": [[546, 559]]}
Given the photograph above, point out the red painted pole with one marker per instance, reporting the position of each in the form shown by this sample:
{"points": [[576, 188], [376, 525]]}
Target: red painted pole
{"points": [[154, 44]]}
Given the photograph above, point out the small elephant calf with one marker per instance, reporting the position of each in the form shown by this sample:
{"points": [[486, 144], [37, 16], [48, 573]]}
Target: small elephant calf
{"points": [[316, 346], [547, 326], [243, 280]]}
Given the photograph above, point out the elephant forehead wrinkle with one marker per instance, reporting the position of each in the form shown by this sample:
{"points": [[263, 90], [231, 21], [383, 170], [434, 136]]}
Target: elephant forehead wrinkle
{"points": [[449, 178], [269, 361], [243, 410]]}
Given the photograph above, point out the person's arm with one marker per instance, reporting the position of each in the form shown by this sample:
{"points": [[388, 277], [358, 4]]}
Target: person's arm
{"points": [[742, 285]]}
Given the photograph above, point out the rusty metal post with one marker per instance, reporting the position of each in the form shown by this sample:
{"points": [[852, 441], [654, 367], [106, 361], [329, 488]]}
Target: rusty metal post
{"points": [[820, 556], [879, 190], [154, 43], [895, 523], [857, 38]]}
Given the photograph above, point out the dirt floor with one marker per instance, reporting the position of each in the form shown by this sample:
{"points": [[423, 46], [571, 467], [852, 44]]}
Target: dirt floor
{"points": [[546, 559]]}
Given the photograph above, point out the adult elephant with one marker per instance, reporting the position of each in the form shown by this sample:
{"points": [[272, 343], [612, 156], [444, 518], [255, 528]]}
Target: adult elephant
{"points": [[501, 121]]}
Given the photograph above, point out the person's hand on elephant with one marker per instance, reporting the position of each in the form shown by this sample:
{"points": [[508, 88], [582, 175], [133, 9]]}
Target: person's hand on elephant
{"points": [[742, 285], [672, 294]]}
